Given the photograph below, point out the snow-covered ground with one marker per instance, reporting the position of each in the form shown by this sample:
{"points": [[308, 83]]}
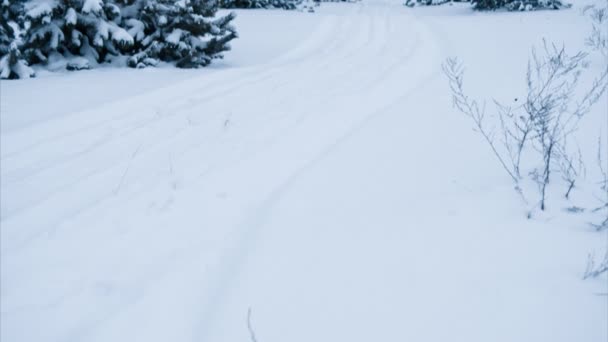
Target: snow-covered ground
{"points": [[318, 175]]}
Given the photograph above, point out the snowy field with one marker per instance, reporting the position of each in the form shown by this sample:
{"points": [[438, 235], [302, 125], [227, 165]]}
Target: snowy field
{"points": [[318, 175]]}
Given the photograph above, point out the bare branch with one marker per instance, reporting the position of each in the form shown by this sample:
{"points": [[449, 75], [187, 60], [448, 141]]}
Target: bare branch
{"points": [[603, 185], [252, 336], [592, 271], [598, 38], [454, 70], [549, 114]]}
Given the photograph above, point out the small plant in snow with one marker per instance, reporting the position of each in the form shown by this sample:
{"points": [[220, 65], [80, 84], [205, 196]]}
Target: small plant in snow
{"points": [[571, 167], [540, 127], [454, 70], [552, 112], [603, 185], [592, 270], [598, 39]]}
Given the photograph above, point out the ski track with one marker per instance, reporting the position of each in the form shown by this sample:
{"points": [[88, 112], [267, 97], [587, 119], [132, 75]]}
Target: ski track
{"points": [[89, 155], [118, 152], [164, 201]]}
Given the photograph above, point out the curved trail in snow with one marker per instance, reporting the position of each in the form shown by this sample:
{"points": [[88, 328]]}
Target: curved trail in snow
{"points": [[283, 94], [193, 167], [311, 188]]}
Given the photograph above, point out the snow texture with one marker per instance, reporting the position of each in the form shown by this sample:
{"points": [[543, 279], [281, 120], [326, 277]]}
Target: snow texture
{"points": [[39, 8], [317, 175], [92, 6]]}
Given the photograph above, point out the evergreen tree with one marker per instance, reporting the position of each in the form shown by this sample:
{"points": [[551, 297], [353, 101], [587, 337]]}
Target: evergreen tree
{"points": [[490, 5], [12, 63], [60, 30], [485, 5], [245, 4], [412, 3], [184, 32], [78, 34], [517, 5], [283, 4]]}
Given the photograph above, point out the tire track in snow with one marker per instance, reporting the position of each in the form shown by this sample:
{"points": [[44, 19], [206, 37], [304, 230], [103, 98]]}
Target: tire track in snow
{"points": [[316, 46], [252, 227], [350, 49], [22, 175], [301, 121]]}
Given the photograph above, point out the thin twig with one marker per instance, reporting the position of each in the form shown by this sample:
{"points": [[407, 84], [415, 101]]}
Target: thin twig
{"points": [[124, 175], [250, 327]]}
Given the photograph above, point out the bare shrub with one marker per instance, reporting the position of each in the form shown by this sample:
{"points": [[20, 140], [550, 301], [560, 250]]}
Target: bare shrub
{"points": [[603, 185], [541, 125], [598, 38]]}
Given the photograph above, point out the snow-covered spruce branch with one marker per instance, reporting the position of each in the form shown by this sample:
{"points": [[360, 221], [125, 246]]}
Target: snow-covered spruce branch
{"points": [[12, 62], [79, 34], [412, 3], [542, 124]]}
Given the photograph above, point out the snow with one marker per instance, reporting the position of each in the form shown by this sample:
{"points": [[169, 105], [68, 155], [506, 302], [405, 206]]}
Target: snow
{"points": [[136, 29], [92, 6], [318, 175], [103, 33], [21, 69], [175, 36], [38, 8], [71, 17], [162, 20], [121, 36]]}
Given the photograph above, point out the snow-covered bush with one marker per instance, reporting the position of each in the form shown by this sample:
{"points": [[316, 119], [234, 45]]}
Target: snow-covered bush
{"points": [[183, 32], [517, 5], [61, 30], [13, 66], [491, 5], [282, 4], [412, 3], [79, 34]]}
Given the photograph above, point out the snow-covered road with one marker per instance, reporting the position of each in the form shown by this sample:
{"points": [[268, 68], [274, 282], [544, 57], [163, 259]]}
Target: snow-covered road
{"points": [[332, 190]]}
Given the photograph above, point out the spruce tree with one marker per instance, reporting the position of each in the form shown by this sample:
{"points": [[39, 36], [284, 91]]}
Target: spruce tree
{"points": [[282, 4], [12, 63], [78, 34], [517, 5], [61, 30], [184, 32]]}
